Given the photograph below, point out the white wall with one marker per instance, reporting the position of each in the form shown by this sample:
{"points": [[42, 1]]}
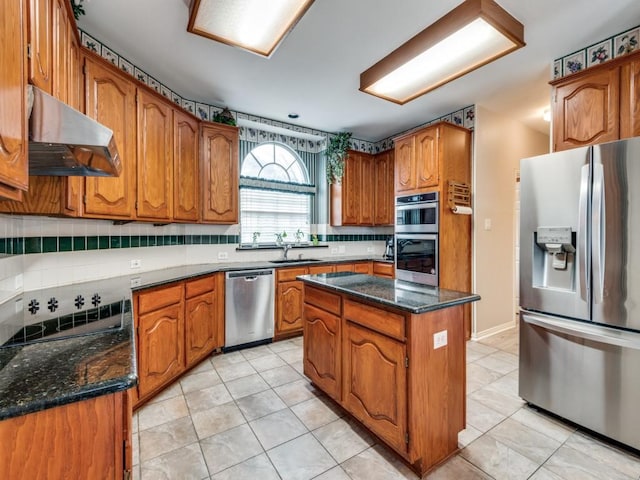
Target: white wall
{"points": [[499, 144]]}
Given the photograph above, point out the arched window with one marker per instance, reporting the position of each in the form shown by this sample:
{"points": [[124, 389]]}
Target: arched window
{"points": [[275, 195]]}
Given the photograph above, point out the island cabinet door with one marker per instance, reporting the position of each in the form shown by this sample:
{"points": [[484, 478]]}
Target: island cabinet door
{"points": [[322, 349], [375, 383]]}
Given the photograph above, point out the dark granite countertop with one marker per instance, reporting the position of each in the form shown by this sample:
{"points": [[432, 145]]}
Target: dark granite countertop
{"points": [[159, 277], [47, 374], [406, 296], [50, 373]]}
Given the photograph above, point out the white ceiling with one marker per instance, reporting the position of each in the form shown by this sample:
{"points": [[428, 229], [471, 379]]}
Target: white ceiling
{"points": [[315, 72]]}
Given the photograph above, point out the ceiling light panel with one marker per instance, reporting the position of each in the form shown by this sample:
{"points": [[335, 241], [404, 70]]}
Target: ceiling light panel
{"points": [[255, 25], [473, 34]]}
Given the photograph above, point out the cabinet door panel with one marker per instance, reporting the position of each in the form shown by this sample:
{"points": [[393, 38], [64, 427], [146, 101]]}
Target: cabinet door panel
{"points": [[587, 111], [185, 167], [110, 99], [290, 306], [13, 120], [155, 157], [160, 347], [383, 209], [405, 164], [375, 383], [427, 155], [220, 175], [322, 349], [201, 327], [41, 41], [366, 190], [351, 189], [82, 440], [630, 100]]}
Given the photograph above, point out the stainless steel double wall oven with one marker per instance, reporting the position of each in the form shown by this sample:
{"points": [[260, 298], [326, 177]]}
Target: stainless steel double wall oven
{"points": [[416, 230]]}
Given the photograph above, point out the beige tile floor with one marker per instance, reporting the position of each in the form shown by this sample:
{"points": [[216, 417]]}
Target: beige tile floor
{"points": [[251, 414]]}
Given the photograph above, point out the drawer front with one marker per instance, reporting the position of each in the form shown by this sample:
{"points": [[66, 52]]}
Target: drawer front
{"points": [[364, 267], [383, 269], [288, 274], [150, 301], [322, 299], [200, 286], [315, 269], [385, 322]]}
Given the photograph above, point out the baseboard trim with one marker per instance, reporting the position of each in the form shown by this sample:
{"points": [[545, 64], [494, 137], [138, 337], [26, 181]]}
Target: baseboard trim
{"points": [[493, 330]]}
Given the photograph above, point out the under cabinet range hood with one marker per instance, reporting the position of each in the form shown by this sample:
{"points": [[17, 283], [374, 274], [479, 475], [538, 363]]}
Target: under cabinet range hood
{"points": [[65, 142]]}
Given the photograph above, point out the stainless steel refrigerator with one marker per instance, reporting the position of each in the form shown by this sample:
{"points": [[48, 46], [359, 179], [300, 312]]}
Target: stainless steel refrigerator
{"points": [[580, 286]]}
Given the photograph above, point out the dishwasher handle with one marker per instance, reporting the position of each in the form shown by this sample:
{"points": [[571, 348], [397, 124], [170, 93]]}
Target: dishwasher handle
{"points": [[249, 275]]}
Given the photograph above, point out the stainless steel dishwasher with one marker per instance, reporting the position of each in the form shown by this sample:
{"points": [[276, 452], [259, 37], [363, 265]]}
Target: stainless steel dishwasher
{"points": [[249, 307]]}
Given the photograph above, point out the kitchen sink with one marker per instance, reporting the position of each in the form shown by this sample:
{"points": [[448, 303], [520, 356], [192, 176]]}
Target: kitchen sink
{"points": [[295, 260]]}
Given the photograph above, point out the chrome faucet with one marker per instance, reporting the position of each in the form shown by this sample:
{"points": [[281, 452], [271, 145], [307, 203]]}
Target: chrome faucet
{"points": [[285, 250]]}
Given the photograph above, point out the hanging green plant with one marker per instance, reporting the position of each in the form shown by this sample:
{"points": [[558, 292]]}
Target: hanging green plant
{"points": [[336, 153], [78, 9]]}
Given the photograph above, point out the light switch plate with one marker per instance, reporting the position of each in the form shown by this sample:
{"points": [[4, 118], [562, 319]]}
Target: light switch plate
{"points": [[136, 281], [136, 263], [439, 339]]}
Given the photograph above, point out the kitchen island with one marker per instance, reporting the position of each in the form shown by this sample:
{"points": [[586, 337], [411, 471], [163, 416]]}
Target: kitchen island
{"points": [[391, 353]]}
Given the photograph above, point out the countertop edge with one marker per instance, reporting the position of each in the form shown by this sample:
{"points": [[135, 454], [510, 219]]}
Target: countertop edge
{"points": [[468, 298]]}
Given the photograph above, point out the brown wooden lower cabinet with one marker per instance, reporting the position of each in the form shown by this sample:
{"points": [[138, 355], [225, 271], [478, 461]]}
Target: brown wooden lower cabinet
{"points": [[381, 365], [89, 439], [176, 327], [383, 269], [289, 301]]}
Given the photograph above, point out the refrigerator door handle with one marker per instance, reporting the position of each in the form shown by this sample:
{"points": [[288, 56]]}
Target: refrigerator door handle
{"points": [[583, 213], [576, 329], [597, 226]]}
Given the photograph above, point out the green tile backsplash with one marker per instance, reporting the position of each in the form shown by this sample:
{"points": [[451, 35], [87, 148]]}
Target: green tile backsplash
{"points": [[27, 245]]}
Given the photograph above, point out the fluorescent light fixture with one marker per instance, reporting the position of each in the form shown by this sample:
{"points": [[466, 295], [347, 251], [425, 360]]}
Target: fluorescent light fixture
{"points": [[255, 25], [468, 37]]}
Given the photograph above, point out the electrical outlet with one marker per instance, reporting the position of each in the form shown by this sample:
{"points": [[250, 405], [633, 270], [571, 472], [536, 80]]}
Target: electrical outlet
{"points": [[342, 249], [136, 263], [334, 250], [18, 282], [439, 339], [136, 282], [19, 305], [487, 224], [369, 249], [223, 255]]}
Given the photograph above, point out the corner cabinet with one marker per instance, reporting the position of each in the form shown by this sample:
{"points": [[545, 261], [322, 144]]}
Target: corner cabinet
{"points": [[365, 194], [14, 177], [219, 173], [596, 105]]}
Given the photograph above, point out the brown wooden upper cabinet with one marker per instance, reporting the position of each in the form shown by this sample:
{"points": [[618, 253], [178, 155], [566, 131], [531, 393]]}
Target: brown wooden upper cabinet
{"points": [[365, 195], [14, 177], [185, 167], [155, 157], [597, 105], [423, 156], [219, 171], [111, 100]]}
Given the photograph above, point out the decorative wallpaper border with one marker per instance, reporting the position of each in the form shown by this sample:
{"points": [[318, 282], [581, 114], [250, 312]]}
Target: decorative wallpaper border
{"points": [[601, 52], [29, 245], [463, 117]]}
